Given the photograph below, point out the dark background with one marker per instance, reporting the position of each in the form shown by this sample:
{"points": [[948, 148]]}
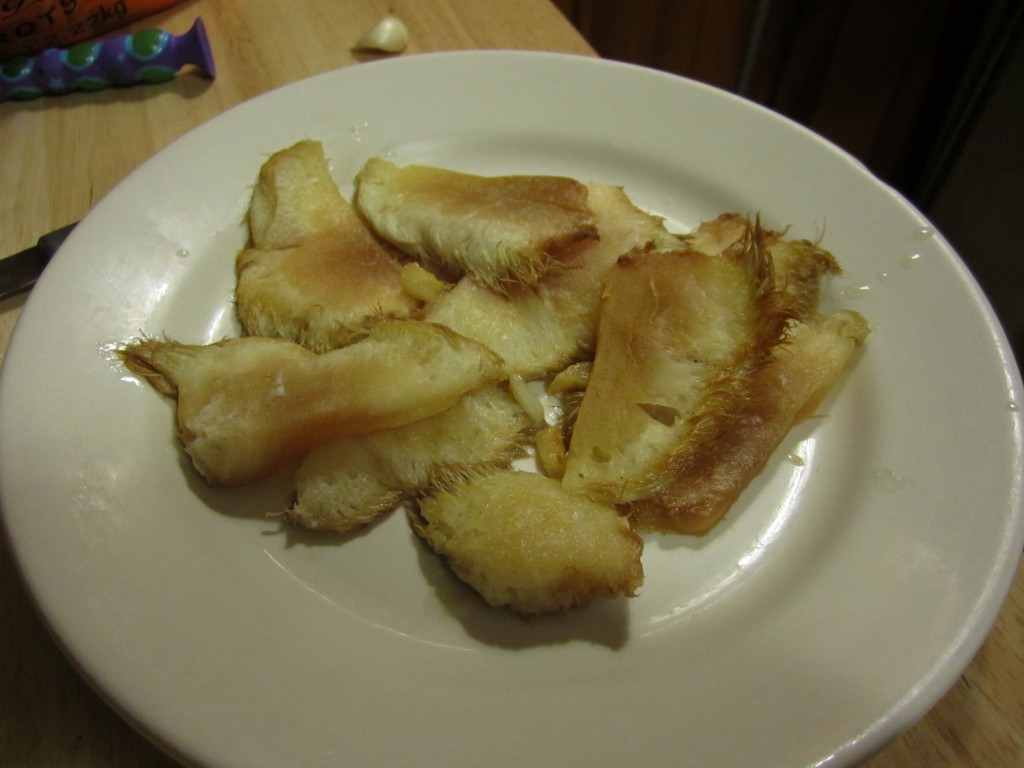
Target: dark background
{"points": [[929, 94]]}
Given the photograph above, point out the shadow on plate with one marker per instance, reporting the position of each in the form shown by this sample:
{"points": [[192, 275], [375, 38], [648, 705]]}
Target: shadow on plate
{"points": [[605, 623], [265, 498]]}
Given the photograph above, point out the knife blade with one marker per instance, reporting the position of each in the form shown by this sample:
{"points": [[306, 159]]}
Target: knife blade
{"points": [[19, 272]]}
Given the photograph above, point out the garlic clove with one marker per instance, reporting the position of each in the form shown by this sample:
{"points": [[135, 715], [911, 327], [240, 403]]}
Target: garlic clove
{"points": [[390, 35]]}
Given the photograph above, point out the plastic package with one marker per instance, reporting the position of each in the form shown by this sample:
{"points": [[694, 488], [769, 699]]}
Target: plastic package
{"points": [[30, 26]]}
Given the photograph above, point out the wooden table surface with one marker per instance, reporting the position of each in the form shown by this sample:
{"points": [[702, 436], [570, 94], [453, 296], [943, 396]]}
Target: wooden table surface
{"points": [[60, 155]]}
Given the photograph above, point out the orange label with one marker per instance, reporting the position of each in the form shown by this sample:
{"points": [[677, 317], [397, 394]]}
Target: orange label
{"points": [[30, 26]]}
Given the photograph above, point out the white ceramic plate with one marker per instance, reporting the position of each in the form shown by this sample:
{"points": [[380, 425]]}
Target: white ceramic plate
{"points": [[844, 594]]}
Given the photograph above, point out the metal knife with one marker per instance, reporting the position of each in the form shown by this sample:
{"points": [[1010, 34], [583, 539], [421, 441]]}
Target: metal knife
{"points": [[19, 272]]}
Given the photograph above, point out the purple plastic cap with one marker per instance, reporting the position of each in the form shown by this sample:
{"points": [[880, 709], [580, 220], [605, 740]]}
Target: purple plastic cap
{"points": [[147, 56]]}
